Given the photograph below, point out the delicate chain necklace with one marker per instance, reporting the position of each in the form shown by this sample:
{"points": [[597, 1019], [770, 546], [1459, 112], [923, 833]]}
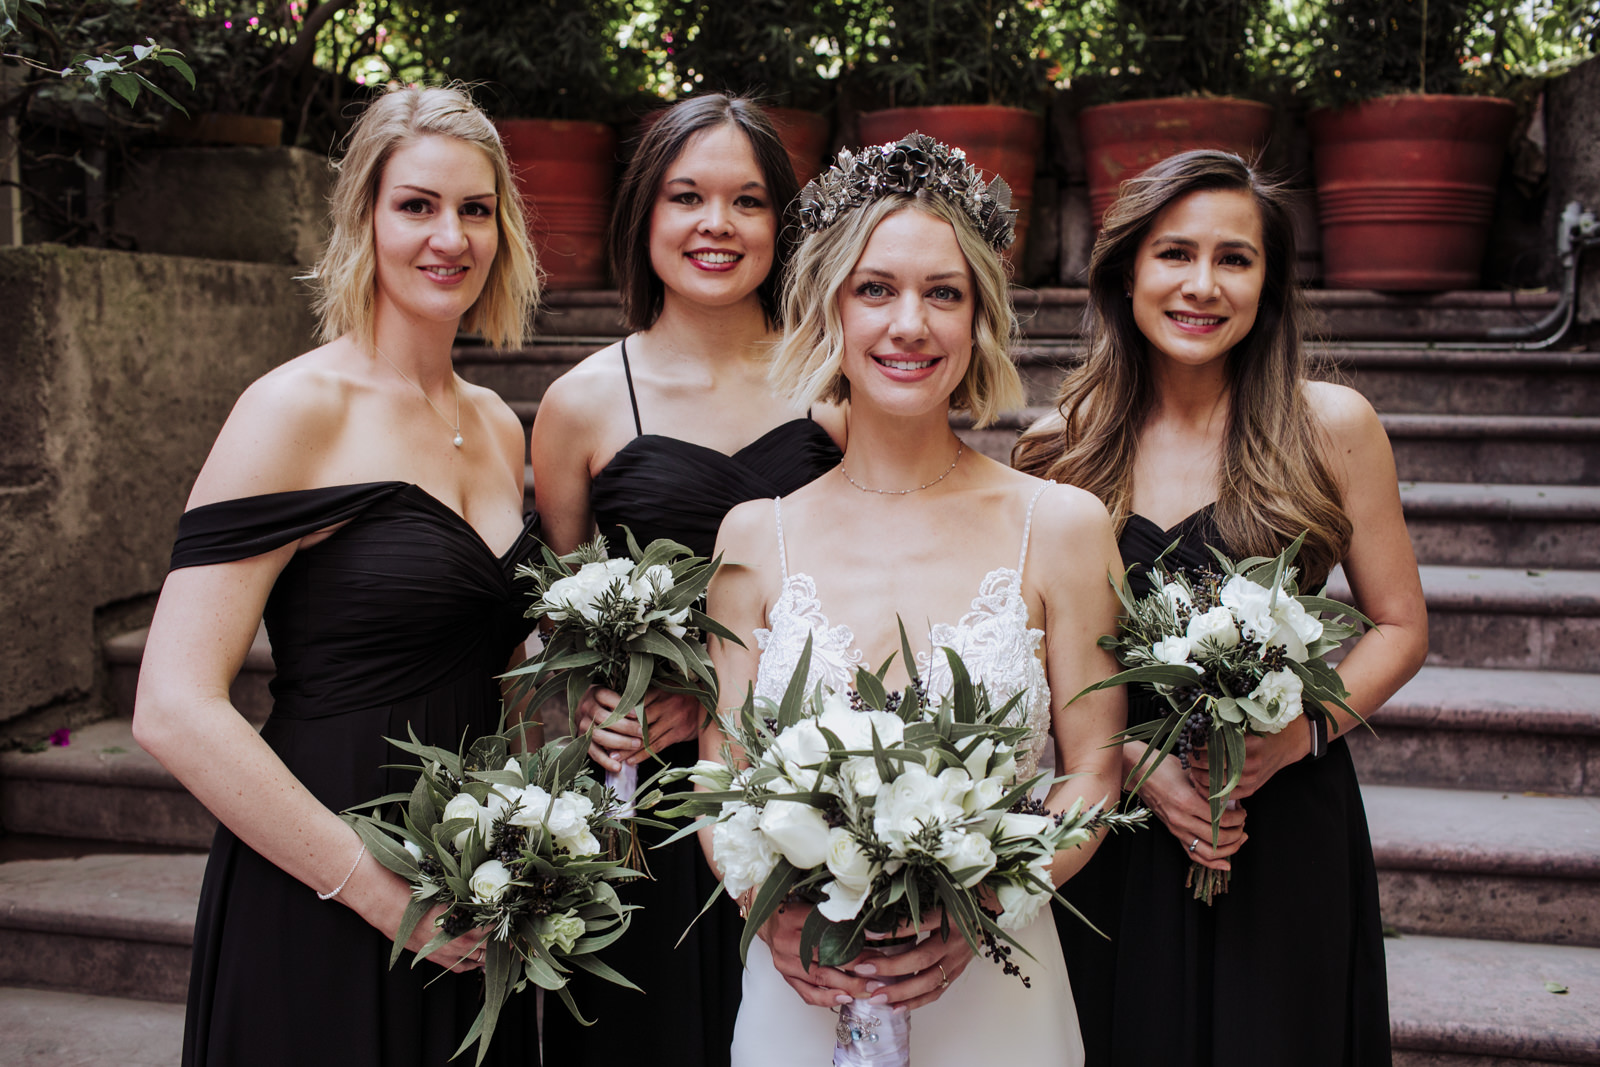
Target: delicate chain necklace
{"points": [[457, 440], [904, 492]]}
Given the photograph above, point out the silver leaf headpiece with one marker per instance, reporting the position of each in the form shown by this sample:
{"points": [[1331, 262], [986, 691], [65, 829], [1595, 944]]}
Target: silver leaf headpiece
{"points": [[913, 163]]}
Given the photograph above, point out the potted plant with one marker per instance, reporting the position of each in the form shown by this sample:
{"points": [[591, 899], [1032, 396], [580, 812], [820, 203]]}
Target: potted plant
{"points": [[1177, 76], [971, 73], [782, 51], [1407, 165], [554, 75]]}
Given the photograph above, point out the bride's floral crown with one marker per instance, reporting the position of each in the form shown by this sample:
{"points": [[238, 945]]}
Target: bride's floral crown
{"points": [[914, 163]]}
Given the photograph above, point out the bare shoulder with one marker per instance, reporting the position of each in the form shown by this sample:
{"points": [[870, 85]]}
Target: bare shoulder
{"points": [[746, 528], [1344, 414], [278, 429], [1068, 514], [595, 384]]}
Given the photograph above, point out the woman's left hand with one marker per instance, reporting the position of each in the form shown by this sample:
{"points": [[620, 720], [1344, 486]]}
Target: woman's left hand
{"points": [[1264, 756], [671, 717], [923, 973]]}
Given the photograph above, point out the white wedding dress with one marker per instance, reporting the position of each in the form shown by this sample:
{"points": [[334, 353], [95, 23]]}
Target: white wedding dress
{"points": [[986, 1016]]}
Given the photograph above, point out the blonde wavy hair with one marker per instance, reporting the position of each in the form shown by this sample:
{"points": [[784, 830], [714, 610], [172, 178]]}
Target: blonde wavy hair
{"points": [[806, 365], [1274, 482], [345, 278]]}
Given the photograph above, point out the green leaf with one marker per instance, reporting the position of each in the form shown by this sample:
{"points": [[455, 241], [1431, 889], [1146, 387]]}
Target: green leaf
{"points": [[409, 918], [1555, 987]]}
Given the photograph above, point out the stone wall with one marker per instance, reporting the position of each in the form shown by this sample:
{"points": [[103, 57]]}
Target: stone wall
{"points": [[1572, 120], [116, 370]]}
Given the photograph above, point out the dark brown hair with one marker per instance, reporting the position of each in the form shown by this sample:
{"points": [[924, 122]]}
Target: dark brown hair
{"points": [[662, 142], [1273, 482]]}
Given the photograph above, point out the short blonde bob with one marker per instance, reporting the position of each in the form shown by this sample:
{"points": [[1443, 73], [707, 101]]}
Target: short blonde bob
{"points": [[806, 364], [345, 278]]}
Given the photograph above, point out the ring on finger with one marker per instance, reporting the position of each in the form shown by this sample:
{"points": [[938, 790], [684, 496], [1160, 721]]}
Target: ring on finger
{"points": [[1194, 844], [944, 979]]}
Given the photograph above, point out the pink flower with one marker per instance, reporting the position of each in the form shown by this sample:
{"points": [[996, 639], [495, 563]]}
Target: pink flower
{"points": [[62, 737]]}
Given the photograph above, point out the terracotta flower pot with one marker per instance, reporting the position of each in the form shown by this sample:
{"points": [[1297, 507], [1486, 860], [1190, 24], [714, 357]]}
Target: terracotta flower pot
{"points": [[997, 140], [1121, 141], [805, 135], [1406, 188], [564, 171]]}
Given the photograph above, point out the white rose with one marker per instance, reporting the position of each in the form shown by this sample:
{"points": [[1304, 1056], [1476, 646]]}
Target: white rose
{"points": [[1278, 693], [1175, 650], [797, 748], [848, 864], [742, 850], [560, 932], [1294, 628], [653, 582], [984, 794], [1019, 904], [532, 803], [1215, 626], [463, 806], [908, 803], [488, 883], [1250, 603], [580, 843], [860, 775], [977, 761], [959, 850], [1176, 595], [677, 623], [1007, 770], [566, 817], [798, 831], [413, 850], [1021, 824], [843, 903]]}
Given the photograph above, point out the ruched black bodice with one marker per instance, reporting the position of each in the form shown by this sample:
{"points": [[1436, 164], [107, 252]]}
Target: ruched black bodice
{"points": [[398, 620], [660, 486], [1286, 967]]}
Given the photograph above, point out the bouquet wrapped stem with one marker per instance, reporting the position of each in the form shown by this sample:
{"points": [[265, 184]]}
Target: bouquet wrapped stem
{"points": [[1234, 650]]}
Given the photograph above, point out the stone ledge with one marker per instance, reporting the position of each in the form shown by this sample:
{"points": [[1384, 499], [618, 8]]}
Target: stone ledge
{"points": [[102, 753], [1469, 500], [52, 1029], [1478, 427], [1499, 590], [1470, 698], [143, 898], [1484, 833]]}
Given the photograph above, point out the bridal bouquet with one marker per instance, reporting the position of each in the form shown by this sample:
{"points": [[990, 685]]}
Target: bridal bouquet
{"points": [[510, 845], [879, 807], [627, 624], [1234, 650]]}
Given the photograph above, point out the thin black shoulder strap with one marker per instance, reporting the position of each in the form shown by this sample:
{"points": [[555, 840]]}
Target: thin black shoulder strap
{"points": [[638, 427]]}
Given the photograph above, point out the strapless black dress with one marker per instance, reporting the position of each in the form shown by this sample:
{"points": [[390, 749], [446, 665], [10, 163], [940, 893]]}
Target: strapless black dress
{"points": [[1286, 968], [402, 617], [663, 487]]}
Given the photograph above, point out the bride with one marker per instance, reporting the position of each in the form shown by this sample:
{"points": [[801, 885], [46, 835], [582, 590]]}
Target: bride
{"points": [[897, 302]]}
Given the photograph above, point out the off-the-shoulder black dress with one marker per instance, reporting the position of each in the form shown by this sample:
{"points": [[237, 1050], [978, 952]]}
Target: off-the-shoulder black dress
{"points": [[660, 486], [1287, 966], [401, 618]]}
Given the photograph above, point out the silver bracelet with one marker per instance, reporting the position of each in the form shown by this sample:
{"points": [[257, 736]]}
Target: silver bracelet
{"points": [[340, 887]]}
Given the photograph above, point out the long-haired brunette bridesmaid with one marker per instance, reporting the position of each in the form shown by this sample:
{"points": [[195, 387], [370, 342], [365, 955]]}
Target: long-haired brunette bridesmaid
{"points": [[1193, 420], [663, 433]]}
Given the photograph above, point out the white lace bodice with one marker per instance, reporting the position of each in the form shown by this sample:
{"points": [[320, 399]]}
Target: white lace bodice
{"points": [[993, 639]]}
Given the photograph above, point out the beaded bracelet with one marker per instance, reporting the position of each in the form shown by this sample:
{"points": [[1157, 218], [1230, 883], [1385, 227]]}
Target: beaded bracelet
{"points": [[340, 887]]}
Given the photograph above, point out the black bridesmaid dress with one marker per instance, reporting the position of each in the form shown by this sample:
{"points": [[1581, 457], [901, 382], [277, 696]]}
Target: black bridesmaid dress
{"points": [[1286, 967], [402, 617], [660, 486]]}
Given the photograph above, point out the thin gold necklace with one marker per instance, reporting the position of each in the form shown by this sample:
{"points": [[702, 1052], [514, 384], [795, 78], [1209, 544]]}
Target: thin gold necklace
{"points": [[904, 492], [457, 440]]}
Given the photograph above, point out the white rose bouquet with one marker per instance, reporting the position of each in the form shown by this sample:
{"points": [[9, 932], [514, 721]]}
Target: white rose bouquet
{"points": [[628, 624], [1235, 651], [509, 844], [880, 808]]}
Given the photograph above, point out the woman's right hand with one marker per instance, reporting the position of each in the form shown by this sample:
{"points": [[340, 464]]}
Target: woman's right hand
{"points": [[381, 897], [1186, 812], [671, 718], [824, 987]]}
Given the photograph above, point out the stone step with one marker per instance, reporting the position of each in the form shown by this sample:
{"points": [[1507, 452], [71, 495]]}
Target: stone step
{"points": [[1508, 617], [1346, 314], [1534, 449], [1473, 728], [1455, 1002], [1503, 525], [52, 1029], [101, 786], [1440, 381], [249, 692], [107, 925], [1502, 866], [525, 373]]}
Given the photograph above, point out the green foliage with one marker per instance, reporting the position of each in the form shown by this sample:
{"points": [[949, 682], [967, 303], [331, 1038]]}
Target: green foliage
{"points": [[1141, 49], [918, 53], [788, 52], [550, 59], [87, 50]]}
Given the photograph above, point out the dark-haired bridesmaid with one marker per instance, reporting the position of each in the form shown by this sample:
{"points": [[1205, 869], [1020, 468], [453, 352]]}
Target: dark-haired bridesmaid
{"points": [[663, 433], [1193, 420]]}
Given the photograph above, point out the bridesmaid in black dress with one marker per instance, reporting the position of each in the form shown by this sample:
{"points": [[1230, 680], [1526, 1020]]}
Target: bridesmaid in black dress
{"points": [[1193, 421], [367, 503], [664, 432]]}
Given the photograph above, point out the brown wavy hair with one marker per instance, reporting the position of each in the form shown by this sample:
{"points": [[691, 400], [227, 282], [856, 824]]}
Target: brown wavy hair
{"points": [[1274, 481]]}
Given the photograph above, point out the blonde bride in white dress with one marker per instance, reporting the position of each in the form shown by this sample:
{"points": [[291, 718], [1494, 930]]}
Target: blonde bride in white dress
{"points": [[897, 303]]}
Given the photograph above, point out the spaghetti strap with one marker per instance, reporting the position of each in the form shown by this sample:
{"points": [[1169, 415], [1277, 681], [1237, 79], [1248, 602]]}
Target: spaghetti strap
{"points": [[627, 370], [1027, 528], [783, 553]]}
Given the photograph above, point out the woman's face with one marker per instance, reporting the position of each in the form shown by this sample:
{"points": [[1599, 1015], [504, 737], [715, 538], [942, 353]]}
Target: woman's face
{"points": [[713, 228], [906, 310], [1198, 274], [433, 227]]}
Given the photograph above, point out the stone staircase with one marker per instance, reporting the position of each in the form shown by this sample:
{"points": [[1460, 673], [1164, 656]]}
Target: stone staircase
{"points": [[1482, 783]]}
